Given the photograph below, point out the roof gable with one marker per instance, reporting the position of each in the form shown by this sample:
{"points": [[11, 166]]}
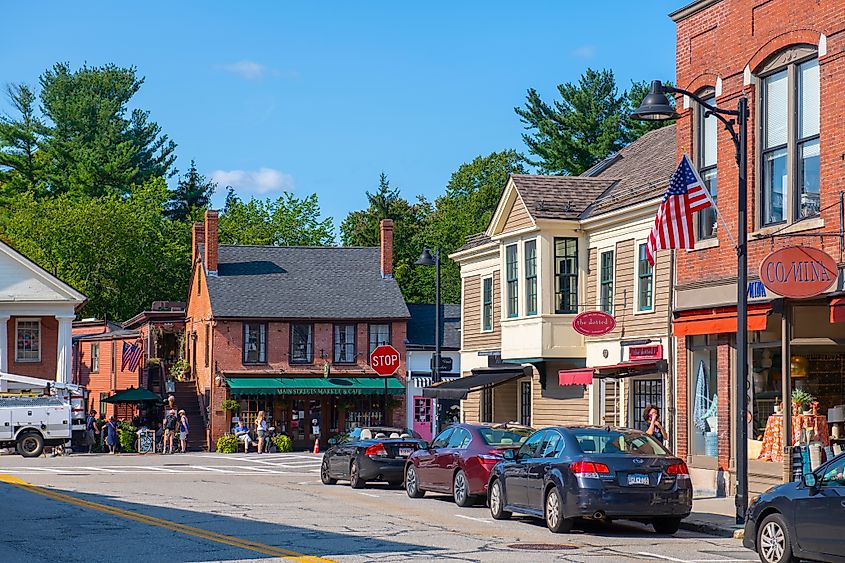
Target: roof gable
{"points": [[22, 280], [511, 213]]}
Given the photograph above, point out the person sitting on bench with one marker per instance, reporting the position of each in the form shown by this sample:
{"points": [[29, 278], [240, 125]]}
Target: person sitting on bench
{"points": [[242, 433]]}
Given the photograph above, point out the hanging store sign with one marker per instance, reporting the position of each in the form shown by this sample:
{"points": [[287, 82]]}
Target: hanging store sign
{"points": [[798, 271], [593, 323]]}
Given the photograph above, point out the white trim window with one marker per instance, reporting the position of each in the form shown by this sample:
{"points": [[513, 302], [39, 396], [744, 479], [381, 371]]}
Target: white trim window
{"points": [[606, 281], [28, 340], [530, 257], [512, 279], [487, 304], [645, 281], [707, 167]]}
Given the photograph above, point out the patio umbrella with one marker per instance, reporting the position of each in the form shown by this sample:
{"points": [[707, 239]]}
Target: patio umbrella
{"points": [[133, 395]]}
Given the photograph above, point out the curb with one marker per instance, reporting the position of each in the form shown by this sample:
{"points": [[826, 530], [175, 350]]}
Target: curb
{"points": [[712, 529]]}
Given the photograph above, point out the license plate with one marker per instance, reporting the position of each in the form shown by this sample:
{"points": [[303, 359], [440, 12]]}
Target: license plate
{"points": [[405, 452], [638, 479]]}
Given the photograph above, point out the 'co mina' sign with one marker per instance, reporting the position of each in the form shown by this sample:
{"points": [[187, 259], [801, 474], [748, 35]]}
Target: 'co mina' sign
{"points": [[798, 271]]}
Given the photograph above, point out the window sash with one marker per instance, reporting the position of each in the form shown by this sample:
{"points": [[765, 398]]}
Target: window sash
{"points": [[645, 281], [775, 185], [531, 277], [707, 218], [255, 343], [707, 138], [512, 273], [95, 357], [606, 282], [566, 275], [487, 304], [379, 335], [207, 344], [28, 340], [302, 343], [344, 344], [486, 407]]}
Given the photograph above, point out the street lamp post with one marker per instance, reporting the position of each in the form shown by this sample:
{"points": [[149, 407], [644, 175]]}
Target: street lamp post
{"points": [[429, 259], [655, 107]]}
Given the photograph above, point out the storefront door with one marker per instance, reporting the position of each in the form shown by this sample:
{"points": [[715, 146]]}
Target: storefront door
{"points": [[422, 417]]}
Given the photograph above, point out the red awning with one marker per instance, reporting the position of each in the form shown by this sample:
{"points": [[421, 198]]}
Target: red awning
{"points": [[837, 310], [719, 320], [580, 376]]}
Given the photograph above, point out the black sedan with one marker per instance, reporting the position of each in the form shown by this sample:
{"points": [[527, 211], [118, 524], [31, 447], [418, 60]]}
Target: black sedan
{"points": [[372, 459], [803, 519], [598, 473]]}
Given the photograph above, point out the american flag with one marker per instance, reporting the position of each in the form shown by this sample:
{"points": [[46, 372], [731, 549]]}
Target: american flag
{"points": [[673, 223], [131, 357]]}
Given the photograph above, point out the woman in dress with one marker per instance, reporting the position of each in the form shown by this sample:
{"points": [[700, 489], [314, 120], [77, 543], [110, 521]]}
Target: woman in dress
{"points": [[111, 435], [651, 414], [260, 430]]}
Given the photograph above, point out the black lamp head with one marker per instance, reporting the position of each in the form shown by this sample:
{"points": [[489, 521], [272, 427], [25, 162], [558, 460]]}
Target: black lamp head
{"points": [[655, 106], [425, 259]]}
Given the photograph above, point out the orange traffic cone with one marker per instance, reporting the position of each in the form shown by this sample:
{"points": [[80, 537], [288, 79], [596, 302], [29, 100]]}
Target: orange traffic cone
{"points": [[316, 445]]}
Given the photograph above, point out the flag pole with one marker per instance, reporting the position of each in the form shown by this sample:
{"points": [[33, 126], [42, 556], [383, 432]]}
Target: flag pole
{"points": [[713, 203]]}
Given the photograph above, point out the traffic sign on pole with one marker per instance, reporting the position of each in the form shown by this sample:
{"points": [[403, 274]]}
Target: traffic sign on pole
{"points": [[385, 360]]}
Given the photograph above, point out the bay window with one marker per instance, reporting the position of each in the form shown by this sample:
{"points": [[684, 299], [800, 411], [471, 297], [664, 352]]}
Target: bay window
{"points": [[512, 280], [566, 275], [531, 277]]}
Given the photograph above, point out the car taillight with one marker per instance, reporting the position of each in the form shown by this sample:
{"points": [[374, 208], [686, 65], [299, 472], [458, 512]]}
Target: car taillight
{"points": [[589, 469], [493, 457], [376, 450], [677, 469]]}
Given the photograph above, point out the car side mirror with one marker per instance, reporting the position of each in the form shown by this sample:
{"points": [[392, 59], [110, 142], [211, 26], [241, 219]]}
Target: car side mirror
{"points": [[509, 455], [809, 481]]}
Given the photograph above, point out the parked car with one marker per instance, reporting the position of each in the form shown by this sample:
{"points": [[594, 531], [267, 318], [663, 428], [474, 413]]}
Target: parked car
{"points": [[459, 460], [372, 432], [369, 458], [599, 473], [802, 519]]}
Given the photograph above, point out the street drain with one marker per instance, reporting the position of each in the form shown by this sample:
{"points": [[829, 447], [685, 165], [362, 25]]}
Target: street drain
{"points": [[542, 546]]}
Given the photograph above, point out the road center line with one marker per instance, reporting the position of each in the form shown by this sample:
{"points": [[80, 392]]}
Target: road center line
{"points": [[472, 518], [668, 558], [233, 541]]}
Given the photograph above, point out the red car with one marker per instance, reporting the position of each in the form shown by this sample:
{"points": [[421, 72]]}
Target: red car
{"points": [[459, 460]]}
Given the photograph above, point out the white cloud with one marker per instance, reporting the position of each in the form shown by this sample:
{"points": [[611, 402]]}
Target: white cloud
{"points": [[261, 181], [584, 52], [249, 70]]}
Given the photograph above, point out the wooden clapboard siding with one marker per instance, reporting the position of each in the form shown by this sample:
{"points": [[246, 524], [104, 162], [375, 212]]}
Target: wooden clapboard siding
{"points": [[473, 338], [611, 404], [518, 218], [505, 398], [470, 407], [552, 412]]}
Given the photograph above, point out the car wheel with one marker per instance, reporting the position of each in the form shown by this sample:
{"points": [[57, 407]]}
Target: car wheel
{"points": [[412, 484], [773, 544], [555, 520], [460, 490], [325, 477], [355, 476], [666, 526], [30, 444], [497, 502]]}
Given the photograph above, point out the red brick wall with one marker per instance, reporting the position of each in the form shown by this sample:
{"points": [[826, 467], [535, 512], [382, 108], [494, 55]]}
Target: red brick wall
{"points": [[46, 368], [105, 379]]}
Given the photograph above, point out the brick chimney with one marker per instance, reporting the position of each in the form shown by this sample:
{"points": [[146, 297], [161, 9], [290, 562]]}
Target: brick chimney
{"points": [[387, 248], [198, 238], [211, 242]]}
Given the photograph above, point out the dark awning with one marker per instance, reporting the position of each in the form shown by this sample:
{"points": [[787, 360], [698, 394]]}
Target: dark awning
{"points": [[132, 395], [459, 388], [314, 386]]}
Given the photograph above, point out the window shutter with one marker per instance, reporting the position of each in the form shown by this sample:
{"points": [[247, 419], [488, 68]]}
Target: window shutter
{"points": [[776, 90]]}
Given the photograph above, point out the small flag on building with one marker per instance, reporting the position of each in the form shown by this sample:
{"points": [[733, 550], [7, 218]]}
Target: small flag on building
{"points": [[673, 224], [131, 356]]}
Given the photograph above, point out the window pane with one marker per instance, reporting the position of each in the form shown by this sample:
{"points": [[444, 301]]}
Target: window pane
{"points": [[487, 305], [606, 297], [254, 342], [301, 343], [379, 334], [531, 277], [810, 179], [708, 137], [645, 281], [344, 343], [808, 105], [775, 93], [28, 348], [511, 268], [774, 185], [707, 217], [566, 275]]}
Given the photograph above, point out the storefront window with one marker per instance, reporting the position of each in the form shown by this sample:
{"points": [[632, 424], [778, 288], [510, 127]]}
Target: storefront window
{"points": [[704, 394], [765, 389]]}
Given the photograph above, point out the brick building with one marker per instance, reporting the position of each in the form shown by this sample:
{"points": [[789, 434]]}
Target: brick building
{"points": [[786, 57], [289, 330]]}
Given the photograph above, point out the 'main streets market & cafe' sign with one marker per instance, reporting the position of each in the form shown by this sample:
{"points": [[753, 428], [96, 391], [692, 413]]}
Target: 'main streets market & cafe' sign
{"points": [[798, 271]]}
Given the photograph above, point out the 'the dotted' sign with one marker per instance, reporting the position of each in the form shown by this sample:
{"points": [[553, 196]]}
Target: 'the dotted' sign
{"points": [[385, 360]]}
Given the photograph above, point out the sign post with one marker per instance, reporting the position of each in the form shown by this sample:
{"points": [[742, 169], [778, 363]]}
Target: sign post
{"points": [[385, 360]]}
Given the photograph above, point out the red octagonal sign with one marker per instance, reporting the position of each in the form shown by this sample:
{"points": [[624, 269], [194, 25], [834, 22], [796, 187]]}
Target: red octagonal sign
{"points": [[385, 360]]}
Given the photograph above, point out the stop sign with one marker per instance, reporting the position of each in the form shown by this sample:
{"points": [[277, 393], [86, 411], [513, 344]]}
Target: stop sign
{"points": [[385, 360]]}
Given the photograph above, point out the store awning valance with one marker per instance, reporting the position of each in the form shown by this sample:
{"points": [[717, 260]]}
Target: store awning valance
{"points": [[719, 320], [579, 376], [132, 395], [459, 388], [585, 376], [314, 385], [837, 310]]}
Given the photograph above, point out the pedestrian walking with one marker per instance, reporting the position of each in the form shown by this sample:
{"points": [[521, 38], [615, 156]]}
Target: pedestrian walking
{"points": [[171, 421], [111, 435], [183, 431], [171, 403], [655, 428], [260, 430], [91, 430]]}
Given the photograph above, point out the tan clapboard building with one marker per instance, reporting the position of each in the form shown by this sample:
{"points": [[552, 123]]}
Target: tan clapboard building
{"points": [[557, 246]]}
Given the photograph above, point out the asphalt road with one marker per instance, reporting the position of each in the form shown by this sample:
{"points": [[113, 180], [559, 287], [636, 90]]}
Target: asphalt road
{"points": [[209, 507]]}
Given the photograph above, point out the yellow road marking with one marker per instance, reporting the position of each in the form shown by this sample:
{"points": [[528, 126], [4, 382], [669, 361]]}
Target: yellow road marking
{"points": [[233, 541]]}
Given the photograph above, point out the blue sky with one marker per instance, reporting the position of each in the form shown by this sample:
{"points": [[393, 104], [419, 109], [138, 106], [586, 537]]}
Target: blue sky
{"points": [[311, 97]]}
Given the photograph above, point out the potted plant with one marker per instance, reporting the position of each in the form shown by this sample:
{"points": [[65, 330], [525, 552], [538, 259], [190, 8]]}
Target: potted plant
{"points": [[179, 369], [802, 400]]}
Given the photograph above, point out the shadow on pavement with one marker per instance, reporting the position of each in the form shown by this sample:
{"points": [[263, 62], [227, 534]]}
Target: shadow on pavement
{"points": [[45, 529]]}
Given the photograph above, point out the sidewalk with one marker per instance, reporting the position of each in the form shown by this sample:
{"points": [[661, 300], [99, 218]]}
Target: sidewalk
{"points": [[714, 516]]}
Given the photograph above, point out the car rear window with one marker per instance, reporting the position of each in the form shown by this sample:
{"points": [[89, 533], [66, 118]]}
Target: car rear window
{"points": [[593, 441], [504, 437]]}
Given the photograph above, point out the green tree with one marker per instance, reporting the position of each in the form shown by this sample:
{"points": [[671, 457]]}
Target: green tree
{"points": [[285, 221], [21, 166], [635, 128], [589, 122], [123, 252], [95, 145], [191, 196]]}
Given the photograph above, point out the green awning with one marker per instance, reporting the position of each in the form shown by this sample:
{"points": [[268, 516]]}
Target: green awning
{"points": [[314, 385], [132, 395]]}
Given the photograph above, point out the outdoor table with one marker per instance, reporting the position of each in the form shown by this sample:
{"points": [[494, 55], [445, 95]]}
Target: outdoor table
{"points": [[772, 449]]}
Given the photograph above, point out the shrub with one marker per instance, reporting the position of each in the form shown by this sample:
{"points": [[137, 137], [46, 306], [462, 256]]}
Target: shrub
{"points": [[126, 436], [227, 444], [283, 443], [230, 405]]}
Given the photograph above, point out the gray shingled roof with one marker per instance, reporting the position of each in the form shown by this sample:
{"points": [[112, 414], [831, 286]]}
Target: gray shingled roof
{"points": [[558, 197], [421, 326], [474, 241], [297, 282]]}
